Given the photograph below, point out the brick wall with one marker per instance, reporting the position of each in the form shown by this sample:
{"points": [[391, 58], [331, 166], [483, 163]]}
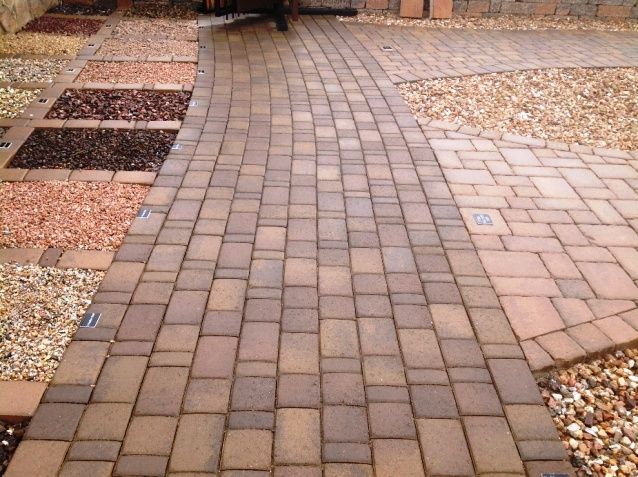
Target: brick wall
{"points": [[580, 8], [14, 14]]}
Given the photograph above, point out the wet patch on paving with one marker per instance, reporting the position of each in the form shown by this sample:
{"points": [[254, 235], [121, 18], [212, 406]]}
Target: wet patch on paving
{"points": [[138, 72], [124, 104], [68, 215], [103, 149], [64, 26]]}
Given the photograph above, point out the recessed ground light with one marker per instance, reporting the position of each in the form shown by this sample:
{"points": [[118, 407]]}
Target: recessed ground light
{"points": [[176, 147], [90, 320], [193, 104], [70, 70], [108, 25], [387, 48], [482, 219], [144, 213], [202, 47], [201, 72], [91, 45], [554, 474], [5, 145], [43, 100]]}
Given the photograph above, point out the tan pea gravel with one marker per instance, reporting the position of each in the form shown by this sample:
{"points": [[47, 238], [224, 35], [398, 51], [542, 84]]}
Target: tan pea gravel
{"points": [[138, 48], [40, 309], [67, 215], [138, 72], [29, 71], [40, 44], [158, 28], [590, 106], [501, 22], [14, 101], [594, 408]]}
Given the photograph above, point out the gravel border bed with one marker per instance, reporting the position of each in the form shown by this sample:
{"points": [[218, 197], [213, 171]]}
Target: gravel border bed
{"points": [[68, 215], [123, 104], [40, 310], [104, 149], [594, 406], [149, 10], [500, 22], [10, 436], [157, 28], [27, 43], [140, 48], [20, 70], [591, 106], [64, 26], [14, 101], [138, 72]]}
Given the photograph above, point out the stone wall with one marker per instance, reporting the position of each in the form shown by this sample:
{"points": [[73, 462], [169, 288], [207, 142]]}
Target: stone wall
{"points": [[14, 14], [580, 8]]}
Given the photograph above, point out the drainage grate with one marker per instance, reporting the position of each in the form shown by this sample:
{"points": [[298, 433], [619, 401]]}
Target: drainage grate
{"points": [[5, 145], [482, 219], [90, 320], [144, 213]]}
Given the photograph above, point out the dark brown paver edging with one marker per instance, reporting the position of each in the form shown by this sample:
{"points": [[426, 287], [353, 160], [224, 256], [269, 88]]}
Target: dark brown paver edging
{"points": [[53, 257]]}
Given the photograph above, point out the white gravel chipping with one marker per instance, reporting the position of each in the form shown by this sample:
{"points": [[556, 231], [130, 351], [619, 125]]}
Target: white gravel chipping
{"points": [[40, 309]]}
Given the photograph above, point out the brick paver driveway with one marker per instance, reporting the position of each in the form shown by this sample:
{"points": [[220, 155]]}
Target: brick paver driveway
{"points": [[306, 296]]}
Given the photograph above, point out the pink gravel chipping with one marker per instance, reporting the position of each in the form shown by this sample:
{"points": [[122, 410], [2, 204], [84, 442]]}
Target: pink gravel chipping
{"points": [[67, 215]]}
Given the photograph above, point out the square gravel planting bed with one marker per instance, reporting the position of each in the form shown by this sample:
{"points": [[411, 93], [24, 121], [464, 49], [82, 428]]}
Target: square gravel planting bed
{"points": [[157, 28], [123, 104], [14, 101], [68, 215], [40, 311], [104, 149], [138, 72], [64, 26], [29, 71], [159, 10], [140, 48], [40, 44], [90, 10]]}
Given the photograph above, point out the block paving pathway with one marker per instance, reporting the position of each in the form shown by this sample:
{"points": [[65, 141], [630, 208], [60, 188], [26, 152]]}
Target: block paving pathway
{"points": [[306, 298]]}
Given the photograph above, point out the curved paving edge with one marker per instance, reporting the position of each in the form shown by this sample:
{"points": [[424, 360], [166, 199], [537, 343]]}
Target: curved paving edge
{"points": [[305, 297]]}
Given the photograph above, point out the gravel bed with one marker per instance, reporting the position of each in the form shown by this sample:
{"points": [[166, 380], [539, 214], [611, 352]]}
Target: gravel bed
{"points": [[120, 104], [14, 101], [28, 43], [591, 106], [105, 149], [138, 72], [40, 310], [72, 9], [594, 407], [10, 436], [158, 28], [68, 215], [30, 71], [64, 26], [139, 48], [501, 22], [182, 12]]}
